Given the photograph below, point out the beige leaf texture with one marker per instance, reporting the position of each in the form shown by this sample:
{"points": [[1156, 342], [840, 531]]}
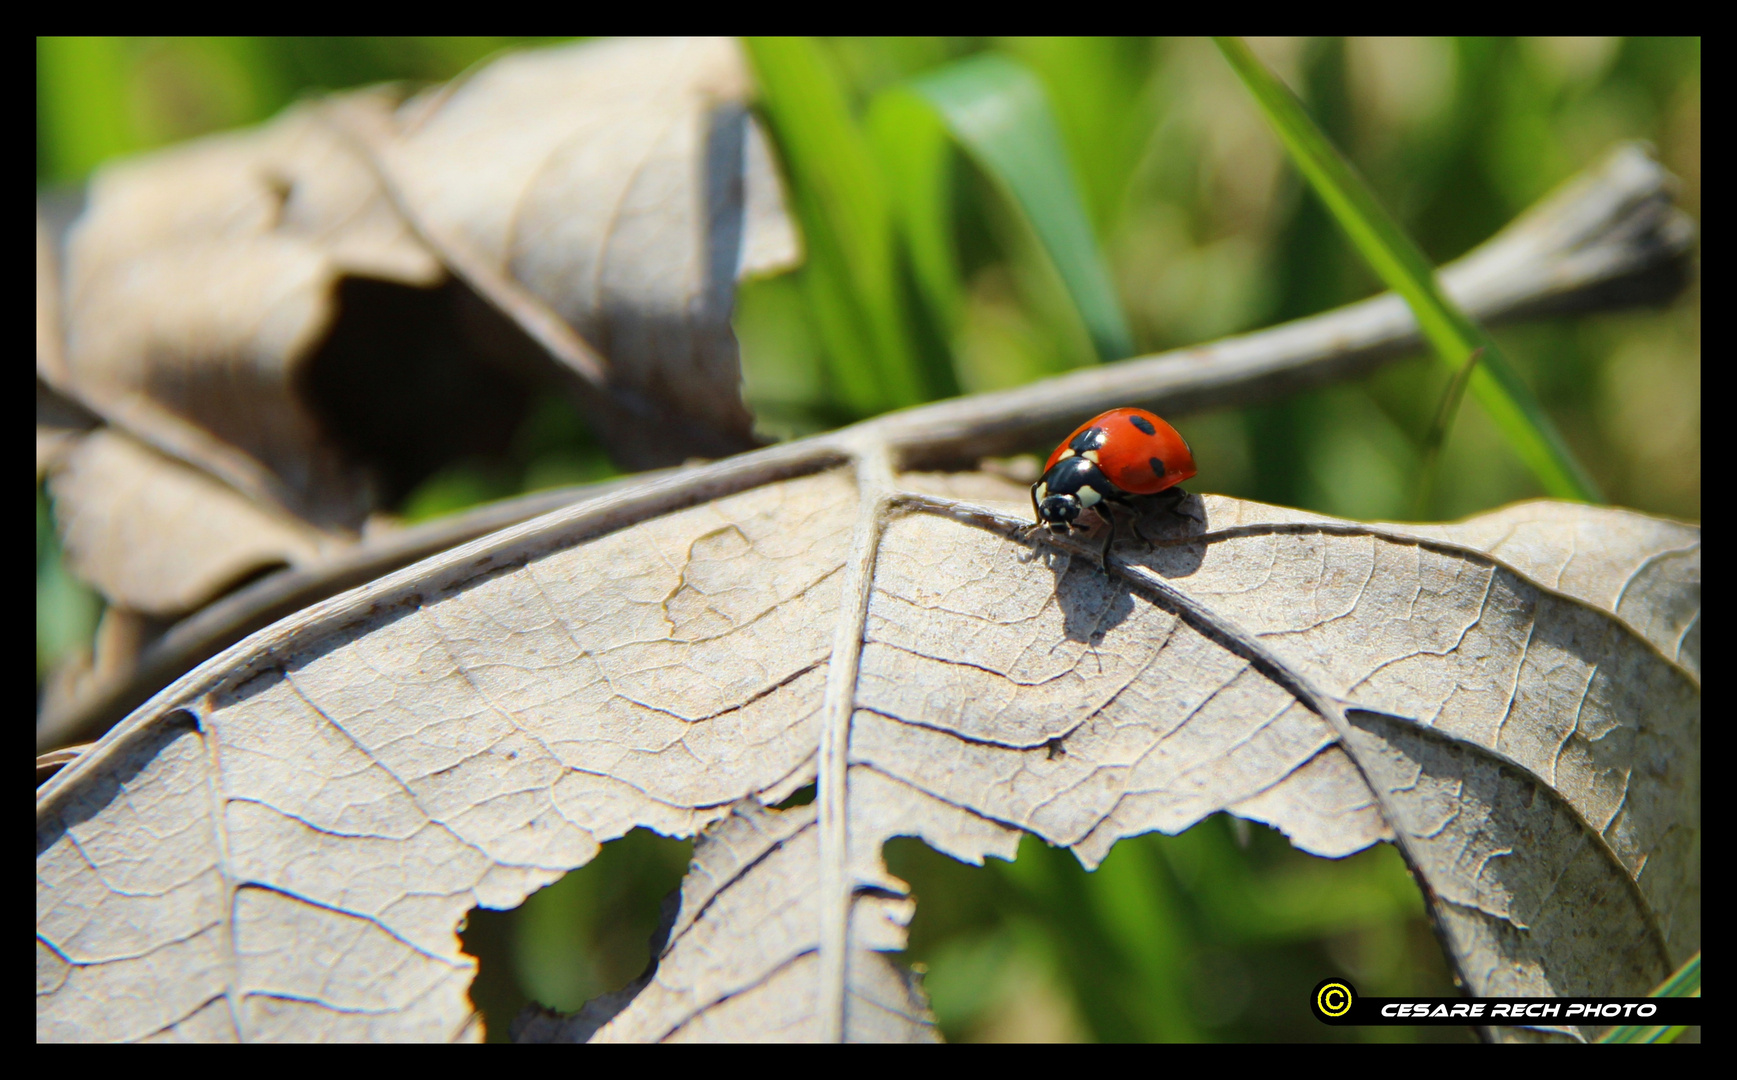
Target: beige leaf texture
{"points": [[1648, 572], [281, 340], [264, 307], [201, 278], [1610, 237], [282, 844], [205, 535], [60, 424], [610, 195], [741, 954]]}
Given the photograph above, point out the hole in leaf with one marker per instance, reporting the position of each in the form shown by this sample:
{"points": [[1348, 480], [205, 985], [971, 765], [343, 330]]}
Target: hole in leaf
{"points": [[585, 935], [802, 796], [1190, 937]]}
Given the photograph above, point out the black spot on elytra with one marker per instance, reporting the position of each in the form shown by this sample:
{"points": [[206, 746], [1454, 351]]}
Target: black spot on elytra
{"points": [[1089, 439], [1157, 467], [1143, 424]]}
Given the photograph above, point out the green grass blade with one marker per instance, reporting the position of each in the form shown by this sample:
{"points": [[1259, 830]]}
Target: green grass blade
{"points": [[1099, 88], [1404, 268], [916, 158], [81, 87], [998, 112], [1631, 1033], [852, 274], [1685, 982]]}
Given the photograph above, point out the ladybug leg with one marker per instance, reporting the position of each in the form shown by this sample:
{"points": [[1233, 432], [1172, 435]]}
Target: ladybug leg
{"points": [[1168, 501], [1134, 520], [1181, 496], [1104, 555]]}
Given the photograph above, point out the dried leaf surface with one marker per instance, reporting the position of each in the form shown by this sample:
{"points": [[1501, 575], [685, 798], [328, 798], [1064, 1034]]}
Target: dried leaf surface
{"points": [[60, 425], [1616, 227], [211, 305], [201, 278], [204, 536], [1648, 573], [282, 845], [743, 953], [623, 186]]}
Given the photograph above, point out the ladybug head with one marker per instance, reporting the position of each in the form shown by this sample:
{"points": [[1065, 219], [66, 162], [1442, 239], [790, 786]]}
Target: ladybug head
{"points": [[1059, 511], [1071, 485]]}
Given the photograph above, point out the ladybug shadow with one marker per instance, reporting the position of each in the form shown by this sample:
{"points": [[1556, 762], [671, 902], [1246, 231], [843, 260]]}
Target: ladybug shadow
{"points": [[1166, 535]]}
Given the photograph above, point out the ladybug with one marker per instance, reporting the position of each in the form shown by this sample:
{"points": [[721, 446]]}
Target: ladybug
{"points": [[1112, 456]]}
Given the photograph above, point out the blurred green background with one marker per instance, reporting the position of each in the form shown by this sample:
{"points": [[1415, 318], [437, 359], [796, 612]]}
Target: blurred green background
{"points": [[930, 274]]}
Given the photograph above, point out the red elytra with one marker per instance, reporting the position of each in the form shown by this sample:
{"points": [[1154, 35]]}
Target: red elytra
{"points": [[1127, 451], [1110, 457]]}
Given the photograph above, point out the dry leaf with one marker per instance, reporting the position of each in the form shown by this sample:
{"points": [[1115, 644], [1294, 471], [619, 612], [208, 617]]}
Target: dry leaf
{"points": [[282, 844], [285, 353], [204, 536], [1612, 234], [201, 279], [622, 188], [740, 956], [59, 426], [257, 305], [1648, 572]]}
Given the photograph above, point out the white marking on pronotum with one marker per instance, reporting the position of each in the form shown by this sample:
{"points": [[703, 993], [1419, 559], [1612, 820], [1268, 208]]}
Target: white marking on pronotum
{"points": [[1042, 491], [1065, 454], [1089, 496], [1091, 456]]}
